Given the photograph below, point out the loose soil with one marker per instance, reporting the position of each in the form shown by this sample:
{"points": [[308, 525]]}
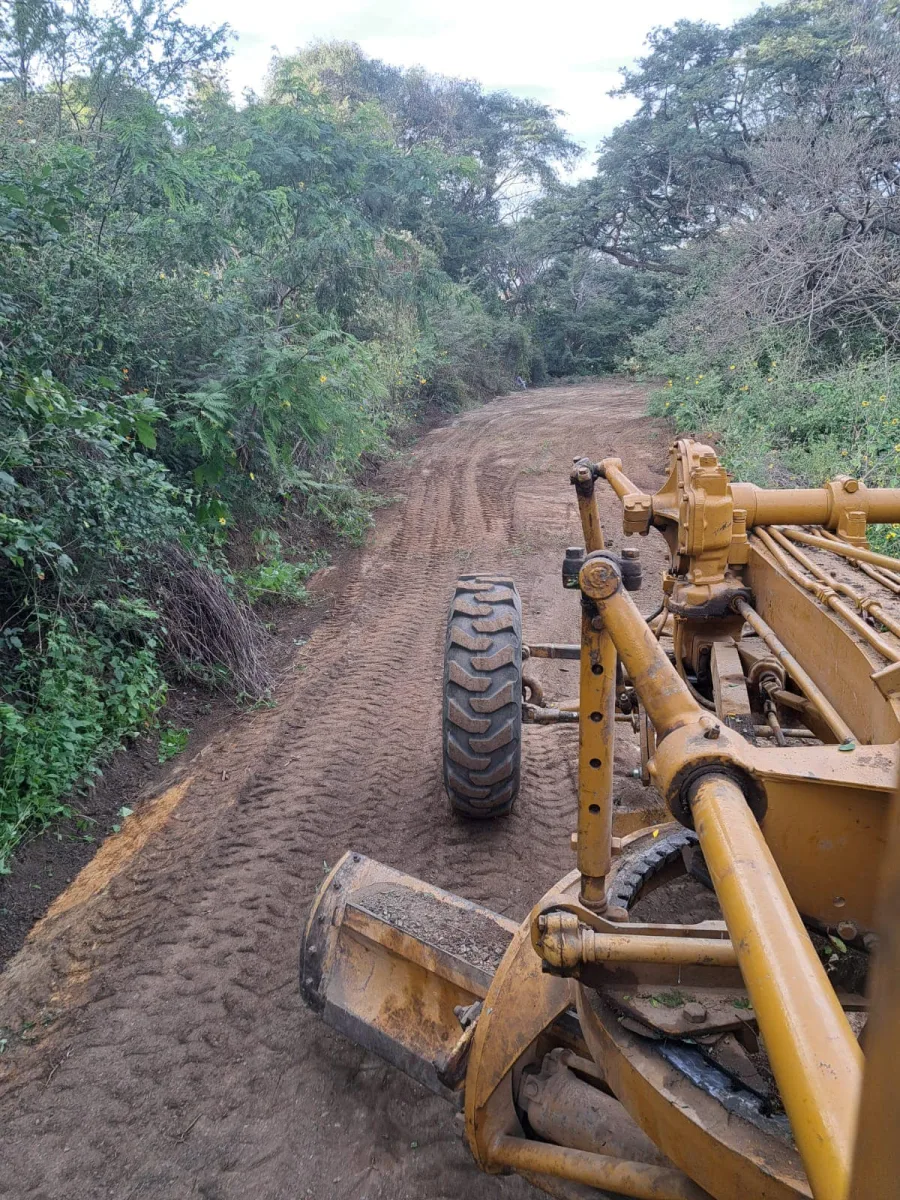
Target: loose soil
{"points": [[155, 1041]]}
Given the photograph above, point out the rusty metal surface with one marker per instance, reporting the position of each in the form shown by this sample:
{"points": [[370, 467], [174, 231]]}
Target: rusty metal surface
{"points": [[552, 650], [571, 1110], [730, 693], [732, 1159], [386, 960]]}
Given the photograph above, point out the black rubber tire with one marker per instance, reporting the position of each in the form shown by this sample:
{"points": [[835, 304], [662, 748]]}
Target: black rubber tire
{"points": [[483, 697], [634, 875]]}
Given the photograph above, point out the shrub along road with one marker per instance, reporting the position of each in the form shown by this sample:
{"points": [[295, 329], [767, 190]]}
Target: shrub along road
{"points": [[156, 1041]]}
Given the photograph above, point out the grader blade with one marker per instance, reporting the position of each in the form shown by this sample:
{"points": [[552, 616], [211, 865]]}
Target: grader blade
{"points": [[393, 963]]}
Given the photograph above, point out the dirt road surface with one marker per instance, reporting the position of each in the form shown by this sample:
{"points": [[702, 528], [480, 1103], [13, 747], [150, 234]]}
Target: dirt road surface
{"points": [[166, 1051]]}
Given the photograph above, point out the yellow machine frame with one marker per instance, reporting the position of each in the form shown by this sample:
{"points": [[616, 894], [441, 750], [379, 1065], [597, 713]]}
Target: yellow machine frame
{"points": [[544, 1036]]}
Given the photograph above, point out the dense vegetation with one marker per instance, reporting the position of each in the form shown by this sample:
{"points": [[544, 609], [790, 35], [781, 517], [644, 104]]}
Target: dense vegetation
{"points": [[214, 316], [760, 177]]}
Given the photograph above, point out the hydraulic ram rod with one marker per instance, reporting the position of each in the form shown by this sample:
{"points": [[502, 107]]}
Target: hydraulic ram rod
{"points": [[815, 1058]]}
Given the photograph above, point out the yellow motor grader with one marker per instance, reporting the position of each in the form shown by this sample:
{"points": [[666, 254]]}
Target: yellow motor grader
{"points": [[598, 1054]]}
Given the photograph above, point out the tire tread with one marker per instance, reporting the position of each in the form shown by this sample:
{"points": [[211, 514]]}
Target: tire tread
{"points": [[482, 733]]}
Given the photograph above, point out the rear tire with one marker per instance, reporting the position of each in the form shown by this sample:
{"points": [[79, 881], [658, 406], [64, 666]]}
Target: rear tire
{"points": [[483, 697]]}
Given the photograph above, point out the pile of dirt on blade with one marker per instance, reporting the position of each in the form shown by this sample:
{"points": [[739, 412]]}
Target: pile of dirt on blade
{"points": [[156, 1043]]}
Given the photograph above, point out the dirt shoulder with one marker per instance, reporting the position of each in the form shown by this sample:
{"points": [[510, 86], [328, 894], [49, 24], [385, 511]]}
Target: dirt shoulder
{"points": [[156, 1042]]}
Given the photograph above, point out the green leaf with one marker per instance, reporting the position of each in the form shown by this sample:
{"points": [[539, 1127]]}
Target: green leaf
{"points": [[145, 433], [14, 193]]}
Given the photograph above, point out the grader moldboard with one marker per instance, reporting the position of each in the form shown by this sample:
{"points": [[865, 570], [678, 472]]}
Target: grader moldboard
{"points": [[599, 1055]]}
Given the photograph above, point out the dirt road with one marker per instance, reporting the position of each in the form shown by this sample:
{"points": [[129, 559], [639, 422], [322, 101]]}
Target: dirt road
{"points": [[171, 1054]]}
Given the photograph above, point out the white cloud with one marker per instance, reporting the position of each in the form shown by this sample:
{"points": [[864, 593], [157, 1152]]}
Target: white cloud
{"points": [[567, 54]]}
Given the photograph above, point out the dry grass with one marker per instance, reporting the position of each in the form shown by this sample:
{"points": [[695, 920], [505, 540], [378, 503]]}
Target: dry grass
{"points": [[203, 626]]}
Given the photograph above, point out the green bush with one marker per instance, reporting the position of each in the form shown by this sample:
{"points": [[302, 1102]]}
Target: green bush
{"points": [[213, 319], [776, 427], [274, 577], [83, 693]]}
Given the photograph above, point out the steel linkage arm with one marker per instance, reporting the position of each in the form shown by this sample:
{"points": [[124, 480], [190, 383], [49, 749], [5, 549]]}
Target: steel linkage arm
{"points": [[815, 1057], [663, 693]]}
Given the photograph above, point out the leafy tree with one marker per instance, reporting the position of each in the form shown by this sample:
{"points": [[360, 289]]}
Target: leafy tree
{"points": [[212, 317]]}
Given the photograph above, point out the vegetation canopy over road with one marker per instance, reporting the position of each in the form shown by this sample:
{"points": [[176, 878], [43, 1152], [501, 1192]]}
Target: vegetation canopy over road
{"points": [[213, 316]]}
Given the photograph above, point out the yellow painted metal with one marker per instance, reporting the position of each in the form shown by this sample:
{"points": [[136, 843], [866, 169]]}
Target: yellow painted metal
{"points": [[830, 506], [826, 592], [611, 471], [521, 1003], [664, 694], [837, 663], [588, 508], [643, 1181], [825, 820], [862, 603], [391, 975], [876, 1158], [826, 709], [814, 1055], [727, 1156], [596, 733], [815, 850], [566, 943], [859, 553], [826, 826]]}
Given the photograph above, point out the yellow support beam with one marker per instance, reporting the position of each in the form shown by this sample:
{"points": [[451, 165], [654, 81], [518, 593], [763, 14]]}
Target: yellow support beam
{"points": [[596, 738], [815, 1058]]}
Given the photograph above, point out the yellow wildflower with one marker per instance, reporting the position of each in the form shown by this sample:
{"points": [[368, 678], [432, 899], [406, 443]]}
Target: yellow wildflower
{"points": [[866, 403], [882, 399], [162, 274], [323, 379], [668, 402], [221, 520], [252, 476], [421, 380], [843, 454], [732, 367]]}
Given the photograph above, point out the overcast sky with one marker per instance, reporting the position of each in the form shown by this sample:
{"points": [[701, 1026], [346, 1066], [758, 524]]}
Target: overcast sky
{"points": [[565, 53]]}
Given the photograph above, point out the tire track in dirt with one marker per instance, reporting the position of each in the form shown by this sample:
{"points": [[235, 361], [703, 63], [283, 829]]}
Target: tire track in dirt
{"points": [[181, 1062]]}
